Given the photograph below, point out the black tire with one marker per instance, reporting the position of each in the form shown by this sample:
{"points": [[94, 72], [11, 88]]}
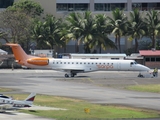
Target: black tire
{"points": [[72, 75], [66, 75]]}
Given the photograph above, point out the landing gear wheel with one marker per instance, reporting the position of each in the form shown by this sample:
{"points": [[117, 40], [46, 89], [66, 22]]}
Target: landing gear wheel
{"points": [[72, 75], [66, 75]]}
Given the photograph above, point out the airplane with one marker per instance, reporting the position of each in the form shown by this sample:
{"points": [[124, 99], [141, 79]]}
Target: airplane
{"points": [[74, 66], [8, 103]]}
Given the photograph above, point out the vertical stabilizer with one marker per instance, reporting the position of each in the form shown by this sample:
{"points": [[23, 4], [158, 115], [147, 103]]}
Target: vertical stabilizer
{"points": [[19, 53], [31, 97]]}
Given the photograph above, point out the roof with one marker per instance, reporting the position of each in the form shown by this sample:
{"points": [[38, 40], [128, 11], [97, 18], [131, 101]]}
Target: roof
{"points": [[149, 52], [99, 55]]}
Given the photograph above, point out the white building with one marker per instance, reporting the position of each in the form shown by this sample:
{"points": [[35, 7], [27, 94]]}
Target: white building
{"points": [[98, 56]]}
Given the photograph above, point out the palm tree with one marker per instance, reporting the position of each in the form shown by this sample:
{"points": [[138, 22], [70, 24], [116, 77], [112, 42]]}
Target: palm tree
{"points": [[88, 30], [73, 22], [64, 34], [48, 33], [101, 40], [37, 32], [82, 28], [118, 24], [136, 29], [153, 25], [52, 32]]}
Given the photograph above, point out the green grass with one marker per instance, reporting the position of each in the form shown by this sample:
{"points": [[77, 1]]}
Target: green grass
{"points": [[75, 109], [6, 90], [155, 88]]}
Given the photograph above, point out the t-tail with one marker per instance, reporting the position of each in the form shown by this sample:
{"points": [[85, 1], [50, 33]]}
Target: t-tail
{"points": [[19, 53]]}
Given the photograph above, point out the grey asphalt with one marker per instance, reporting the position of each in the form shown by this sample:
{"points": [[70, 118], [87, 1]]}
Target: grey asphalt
{"points": [[96, 87]]}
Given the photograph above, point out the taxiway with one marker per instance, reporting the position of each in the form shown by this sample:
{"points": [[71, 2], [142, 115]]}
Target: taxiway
{"points": [[95, 87]]}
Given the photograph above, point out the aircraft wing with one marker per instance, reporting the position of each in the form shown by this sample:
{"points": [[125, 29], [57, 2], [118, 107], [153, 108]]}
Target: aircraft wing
{"points": [[73, 70]]}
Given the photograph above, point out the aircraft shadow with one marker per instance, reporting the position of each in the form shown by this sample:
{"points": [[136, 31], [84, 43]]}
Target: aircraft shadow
{"points": [[81, 76], [8, 113], [55, 77]]}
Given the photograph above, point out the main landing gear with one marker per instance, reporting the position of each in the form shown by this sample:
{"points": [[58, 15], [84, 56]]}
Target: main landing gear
{"points": [[70, 75]]}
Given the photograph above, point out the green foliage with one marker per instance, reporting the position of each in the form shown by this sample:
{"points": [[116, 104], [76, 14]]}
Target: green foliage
{"points": [[15, 25], [118, 24], [89, 29], [20, 23], [29, 6], [17, 19], [153, 25], [48, 33], [136, 27]]}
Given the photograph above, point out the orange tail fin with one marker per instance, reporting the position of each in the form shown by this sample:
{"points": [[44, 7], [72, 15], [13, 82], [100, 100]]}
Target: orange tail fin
{"points": [[19, 53]]}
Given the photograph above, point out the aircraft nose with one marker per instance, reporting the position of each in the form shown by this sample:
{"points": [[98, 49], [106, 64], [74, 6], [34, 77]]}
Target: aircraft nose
{"points": [[144, 68]]}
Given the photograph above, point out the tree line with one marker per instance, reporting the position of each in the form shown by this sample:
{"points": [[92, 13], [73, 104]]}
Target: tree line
{"points": [[25, 23]]}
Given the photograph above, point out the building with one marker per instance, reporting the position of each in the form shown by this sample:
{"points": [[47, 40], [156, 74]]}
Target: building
{"points": [[151, 58], [61, 8], [98, 56], [42, 53]]}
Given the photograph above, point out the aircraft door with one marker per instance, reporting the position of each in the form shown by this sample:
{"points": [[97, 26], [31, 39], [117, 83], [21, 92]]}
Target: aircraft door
{"points": [[89, 67], [119, 66]]}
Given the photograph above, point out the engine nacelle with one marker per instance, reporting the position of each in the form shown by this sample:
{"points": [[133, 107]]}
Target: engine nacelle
{"points": [[38, 61]]}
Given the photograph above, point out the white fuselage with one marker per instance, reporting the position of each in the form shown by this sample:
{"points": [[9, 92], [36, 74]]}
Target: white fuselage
{"points": [[88, 65], [74, 66]]}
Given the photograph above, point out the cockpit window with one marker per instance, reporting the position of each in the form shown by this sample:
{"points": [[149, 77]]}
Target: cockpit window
{"points": [[132, 63]]}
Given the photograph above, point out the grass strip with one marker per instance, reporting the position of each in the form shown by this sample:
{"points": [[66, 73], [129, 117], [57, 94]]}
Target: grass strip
{"points": [[6, 90], [154, 88], [76, 109]]}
